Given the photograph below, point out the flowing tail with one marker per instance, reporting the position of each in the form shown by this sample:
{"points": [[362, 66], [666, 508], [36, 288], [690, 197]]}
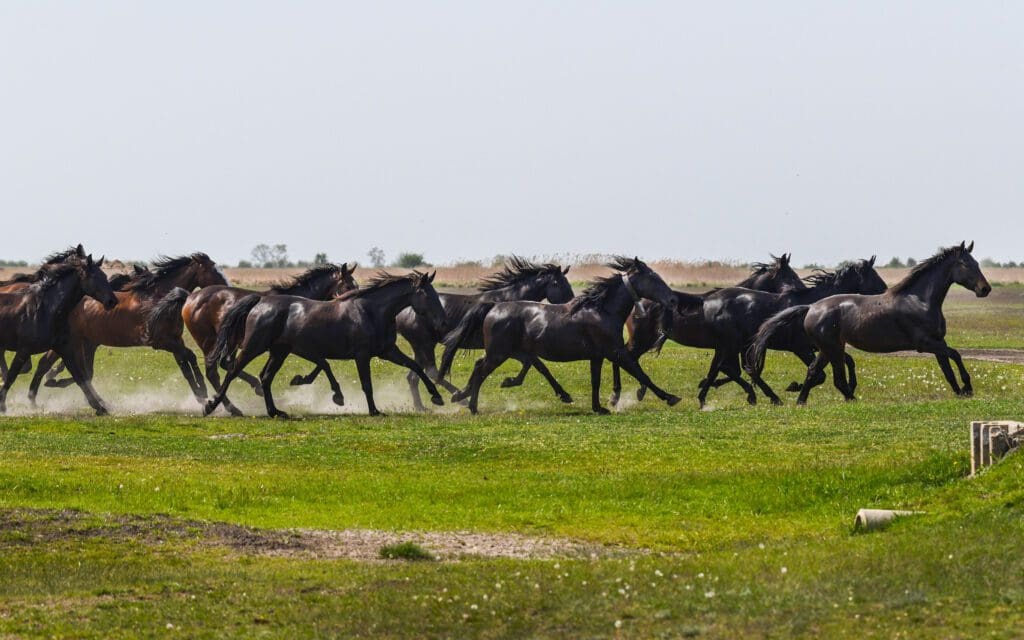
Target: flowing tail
{"points": [[167, 313], [470, 324], [232, 329], [789, 319]]}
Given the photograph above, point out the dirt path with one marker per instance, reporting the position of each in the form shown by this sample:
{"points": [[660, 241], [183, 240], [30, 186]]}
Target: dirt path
{"points": [[1006, 356], [40, 526]]}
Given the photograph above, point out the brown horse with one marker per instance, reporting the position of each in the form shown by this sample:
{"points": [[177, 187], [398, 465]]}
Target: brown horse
{"points": [[203, 311], [91, 325]]}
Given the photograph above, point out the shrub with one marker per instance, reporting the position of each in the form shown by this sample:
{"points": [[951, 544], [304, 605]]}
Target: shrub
{"points": [[409, 260], [405, 551]]}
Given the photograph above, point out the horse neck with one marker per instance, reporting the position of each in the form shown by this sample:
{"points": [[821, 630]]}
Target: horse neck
{"points": [[520, 291], [389, 300], [932, 286], [315, 290], [184, 278], [619, 303], [819, 291], [62, 297]]}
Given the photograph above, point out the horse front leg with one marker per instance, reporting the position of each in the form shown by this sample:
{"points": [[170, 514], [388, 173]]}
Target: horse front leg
{"points": [[45, 362], [74, 361], [12, 374], [632, 367], [393, 354], [596, 365]]}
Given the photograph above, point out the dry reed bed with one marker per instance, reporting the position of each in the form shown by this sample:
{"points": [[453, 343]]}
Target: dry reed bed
{"points": [[675, 273]]}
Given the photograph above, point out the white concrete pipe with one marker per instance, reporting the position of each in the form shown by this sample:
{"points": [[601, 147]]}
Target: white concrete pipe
{"points": [[871, 519]]}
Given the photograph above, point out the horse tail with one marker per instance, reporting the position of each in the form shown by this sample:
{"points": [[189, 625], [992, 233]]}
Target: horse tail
{"points": [[687, 304], [788, 318], [232, 329], [468, 326], [168, 309]]}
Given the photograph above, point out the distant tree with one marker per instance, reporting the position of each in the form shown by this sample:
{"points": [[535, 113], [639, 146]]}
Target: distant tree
{"points": [[989, 263], [813, 265], [320, 259], [895, 263], [499, 260], [911, 262], [376, 255], [408, 260], [244, 264], [262, 254]]}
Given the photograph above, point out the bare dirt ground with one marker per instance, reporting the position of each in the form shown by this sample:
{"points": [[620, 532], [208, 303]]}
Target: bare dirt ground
{"points": [[35, 526]]}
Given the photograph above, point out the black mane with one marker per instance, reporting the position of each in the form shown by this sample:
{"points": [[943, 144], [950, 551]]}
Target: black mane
{"points": [[163, 267], [927, 265], [600, 288], [516, 270], [381, 280], [61, 256], [305, 278]]}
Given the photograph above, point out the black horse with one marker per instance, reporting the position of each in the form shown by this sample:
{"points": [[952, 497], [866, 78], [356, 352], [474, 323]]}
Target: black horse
{"points": [[35, 319], [734, 316], [587, 328], [20, 281], [203, 311], [521, 279], [358, 325], [649, 329], [907, 316]]}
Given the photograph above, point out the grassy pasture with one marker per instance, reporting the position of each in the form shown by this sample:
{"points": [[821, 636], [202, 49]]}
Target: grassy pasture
{"points": [[728, 522]]}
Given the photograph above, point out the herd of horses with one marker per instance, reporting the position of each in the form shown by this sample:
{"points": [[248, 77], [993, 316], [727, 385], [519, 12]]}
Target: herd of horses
{"points": [[527, 312]]}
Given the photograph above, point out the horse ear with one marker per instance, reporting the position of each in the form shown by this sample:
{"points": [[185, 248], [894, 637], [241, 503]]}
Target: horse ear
{"points": [[431, 277], [344, 267], [100, 263], [565, 270], [970, 248], [784, 259], [88, 260], [871, 262], [963, 245], [80, 250]]}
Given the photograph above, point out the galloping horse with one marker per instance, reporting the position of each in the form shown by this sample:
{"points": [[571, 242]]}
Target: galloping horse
{"points": [[203, 311], [519, 280], [36, 319], [358, 325], [907, 316], [735, 315], [91, 325], [20, 281], [587, 328], [685, 324]]}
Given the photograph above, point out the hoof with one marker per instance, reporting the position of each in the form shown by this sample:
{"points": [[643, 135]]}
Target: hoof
{"points": [[53, 384], [613, 399], [509, 382], [374, 413], [601, 411], [437, 400], [777, 402], [851, 399], [338, 399], [236, 412], [298, 381], [102, 411], [752, 400], [640, 393], [966, 393], [459, 396], [801, 403], [566, 398], [258, 391], [210, 406], [794, 387], [279, 414], [672, 400]]}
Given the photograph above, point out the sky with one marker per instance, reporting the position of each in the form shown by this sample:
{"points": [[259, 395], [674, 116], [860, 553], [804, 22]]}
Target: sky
{"points": [[461, 130]]}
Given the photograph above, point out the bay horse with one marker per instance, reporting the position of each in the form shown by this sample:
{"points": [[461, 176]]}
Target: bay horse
{"points": [[20, 281], [203, 311], [358, 325], [734, 316], [91, 325], [36, 319], [520, 279], [685, 324], [589, 327], [907, 316]]}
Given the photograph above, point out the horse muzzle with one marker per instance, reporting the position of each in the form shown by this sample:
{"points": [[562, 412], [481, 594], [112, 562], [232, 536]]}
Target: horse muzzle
{"points": [[983, 290]]}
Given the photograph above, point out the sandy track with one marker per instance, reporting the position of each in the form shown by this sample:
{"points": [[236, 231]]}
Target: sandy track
{"points": [[41, 526]]}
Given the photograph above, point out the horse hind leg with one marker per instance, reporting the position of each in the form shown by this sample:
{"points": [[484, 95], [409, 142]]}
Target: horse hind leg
{"points": [[270, 369], [542, 368]]}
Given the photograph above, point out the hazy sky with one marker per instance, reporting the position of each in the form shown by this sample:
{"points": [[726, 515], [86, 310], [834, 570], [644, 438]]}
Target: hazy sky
{"points": [[466, 129]]}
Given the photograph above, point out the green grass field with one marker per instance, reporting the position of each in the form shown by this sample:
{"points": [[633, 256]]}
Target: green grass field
{"points": [[736, 521]]}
